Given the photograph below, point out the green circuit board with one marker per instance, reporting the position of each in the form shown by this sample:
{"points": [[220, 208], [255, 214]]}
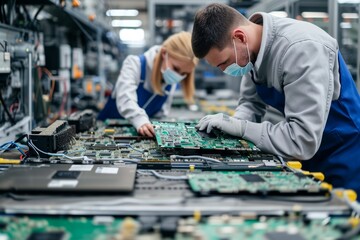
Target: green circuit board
{"points": [[184, 135], [250, 227], [254, 182], [108, 150], [118, 132], [268, 228], [118, 141], [58, 228]]}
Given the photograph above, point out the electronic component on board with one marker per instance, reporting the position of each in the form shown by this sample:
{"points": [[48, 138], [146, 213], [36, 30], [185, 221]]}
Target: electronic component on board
{"points": [[54, 138]]}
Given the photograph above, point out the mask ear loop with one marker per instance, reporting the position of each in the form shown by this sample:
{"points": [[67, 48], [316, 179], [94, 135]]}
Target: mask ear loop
{"points": [[247, 47], [235, 51]]}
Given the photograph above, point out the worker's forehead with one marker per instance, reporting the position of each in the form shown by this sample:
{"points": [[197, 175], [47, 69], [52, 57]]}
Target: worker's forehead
{"points": [[216, 56]]}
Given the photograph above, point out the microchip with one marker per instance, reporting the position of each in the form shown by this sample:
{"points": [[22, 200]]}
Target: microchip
{"points": [[125, 141], [105, 153], [66, 175], [90, 154], [252, 178], [283, 236], [213, 179], [111, 146], [47, 236]]}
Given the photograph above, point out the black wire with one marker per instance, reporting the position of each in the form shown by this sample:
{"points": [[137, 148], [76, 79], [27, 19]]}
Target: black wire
{"points": [[3, 47], [81, 28], [21, 138], [6, 15], [11, 6], [37, 13], [26, 13], [6, 110], [3, 14]]}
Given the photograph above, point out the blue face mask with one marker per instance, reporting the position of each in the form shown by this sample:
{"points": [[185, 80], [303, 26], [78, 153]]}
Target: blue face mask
{"points": [[170, 76], [235, 70]]}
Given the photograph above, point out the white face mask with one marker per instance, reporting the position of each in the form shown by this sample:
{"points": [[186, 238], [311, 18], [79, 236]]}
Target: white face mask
{"points": [[234, 69], [170, 76]]}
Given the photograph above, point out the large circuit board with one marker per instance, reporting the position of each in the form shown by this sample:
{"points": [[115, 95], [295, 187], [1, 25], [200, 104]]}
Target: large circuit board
{"points": [[117, 141], [255, 182], [184, 135], [251, 227]]}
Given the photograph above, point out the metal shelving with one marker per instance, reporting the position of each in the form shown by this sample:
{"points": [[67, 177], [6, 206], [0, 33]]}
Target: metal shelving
{"points": [[170, 11]]}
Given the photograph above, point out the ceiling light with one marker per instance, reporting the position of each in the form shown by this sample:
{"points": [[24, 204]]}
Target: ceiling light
{"points": [[314, 15], [348, 1], [122, 12], [132, 35], [126, 23], [350, 15], [345, 25]]}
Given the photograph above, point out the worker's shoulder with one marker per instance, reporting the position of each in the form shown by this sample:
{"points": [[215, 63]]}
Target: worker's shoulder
{"points": [[151, 53], [295, 31]]}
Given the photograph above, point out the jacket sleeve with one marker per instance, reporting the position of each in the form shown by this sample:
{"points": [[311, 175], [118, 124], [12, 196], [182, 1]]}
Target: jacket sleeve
{"points": [[125, 92], [307, 72], [250, 106]]}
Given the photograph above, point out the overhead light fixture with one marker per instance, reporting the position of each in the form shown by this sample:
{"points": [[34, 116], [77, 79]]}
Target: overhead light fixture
{"points": [[348, 1], [122, 12], [350, 15], [126, 23], [314, 15], [281, 14], [132, 36], [345, 25]]}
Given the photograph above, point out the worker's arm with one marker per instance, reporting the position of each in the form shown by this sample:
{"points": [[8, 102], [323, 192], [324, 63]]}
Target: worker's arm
{"points": [[307, 69], [125, 93]]}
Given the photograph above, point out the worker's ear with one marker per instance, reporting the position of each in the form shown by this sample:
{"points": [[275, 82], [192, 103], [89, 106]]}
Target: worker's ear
{"points": [[240, 34], [163, 53]]}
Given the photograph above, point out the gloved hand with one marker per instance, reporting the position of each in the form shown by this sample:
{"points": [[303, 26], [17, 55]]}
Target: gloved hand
{"points": [[147, 129], [223, 122]]}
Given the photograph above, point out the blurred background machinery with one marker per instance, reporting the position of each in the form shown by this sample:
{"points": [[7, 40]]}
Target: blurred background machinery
{"points": [[56, 57]]}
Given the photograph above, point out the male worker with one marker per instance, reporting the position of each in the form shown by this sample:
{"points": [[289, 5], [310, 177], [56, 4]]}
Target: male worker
{"points": [[295, 67]]}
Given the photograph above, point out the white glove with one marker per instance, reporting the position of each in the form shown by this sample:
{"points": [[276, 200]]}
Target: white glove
{"points": [[223, 122]]}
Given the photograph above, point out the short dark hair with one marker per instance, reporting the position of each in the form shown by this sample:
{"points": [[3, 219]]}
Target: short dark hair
{"points": [[211, 27]]}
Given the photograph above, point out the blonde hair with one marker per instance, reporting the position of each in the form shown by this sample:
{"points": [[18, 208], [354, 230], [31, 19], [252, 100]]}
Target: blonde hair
{"points": [[178, 46]]}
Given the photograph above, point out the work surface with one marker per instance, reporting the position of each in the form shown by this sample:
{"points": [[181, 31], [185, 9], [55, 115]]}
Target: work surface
{"points": [[188, 185]]}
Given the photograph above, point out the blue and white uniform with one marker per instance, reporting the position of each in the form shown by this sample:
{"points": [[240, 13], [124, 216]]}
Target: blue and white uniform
{"points": [[133, 97], [300, 71]]}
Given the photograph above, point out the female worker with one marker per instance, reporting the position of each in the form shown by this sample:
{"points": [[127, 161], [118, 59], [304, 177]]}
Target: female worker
{"points": [[146, 83]]}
